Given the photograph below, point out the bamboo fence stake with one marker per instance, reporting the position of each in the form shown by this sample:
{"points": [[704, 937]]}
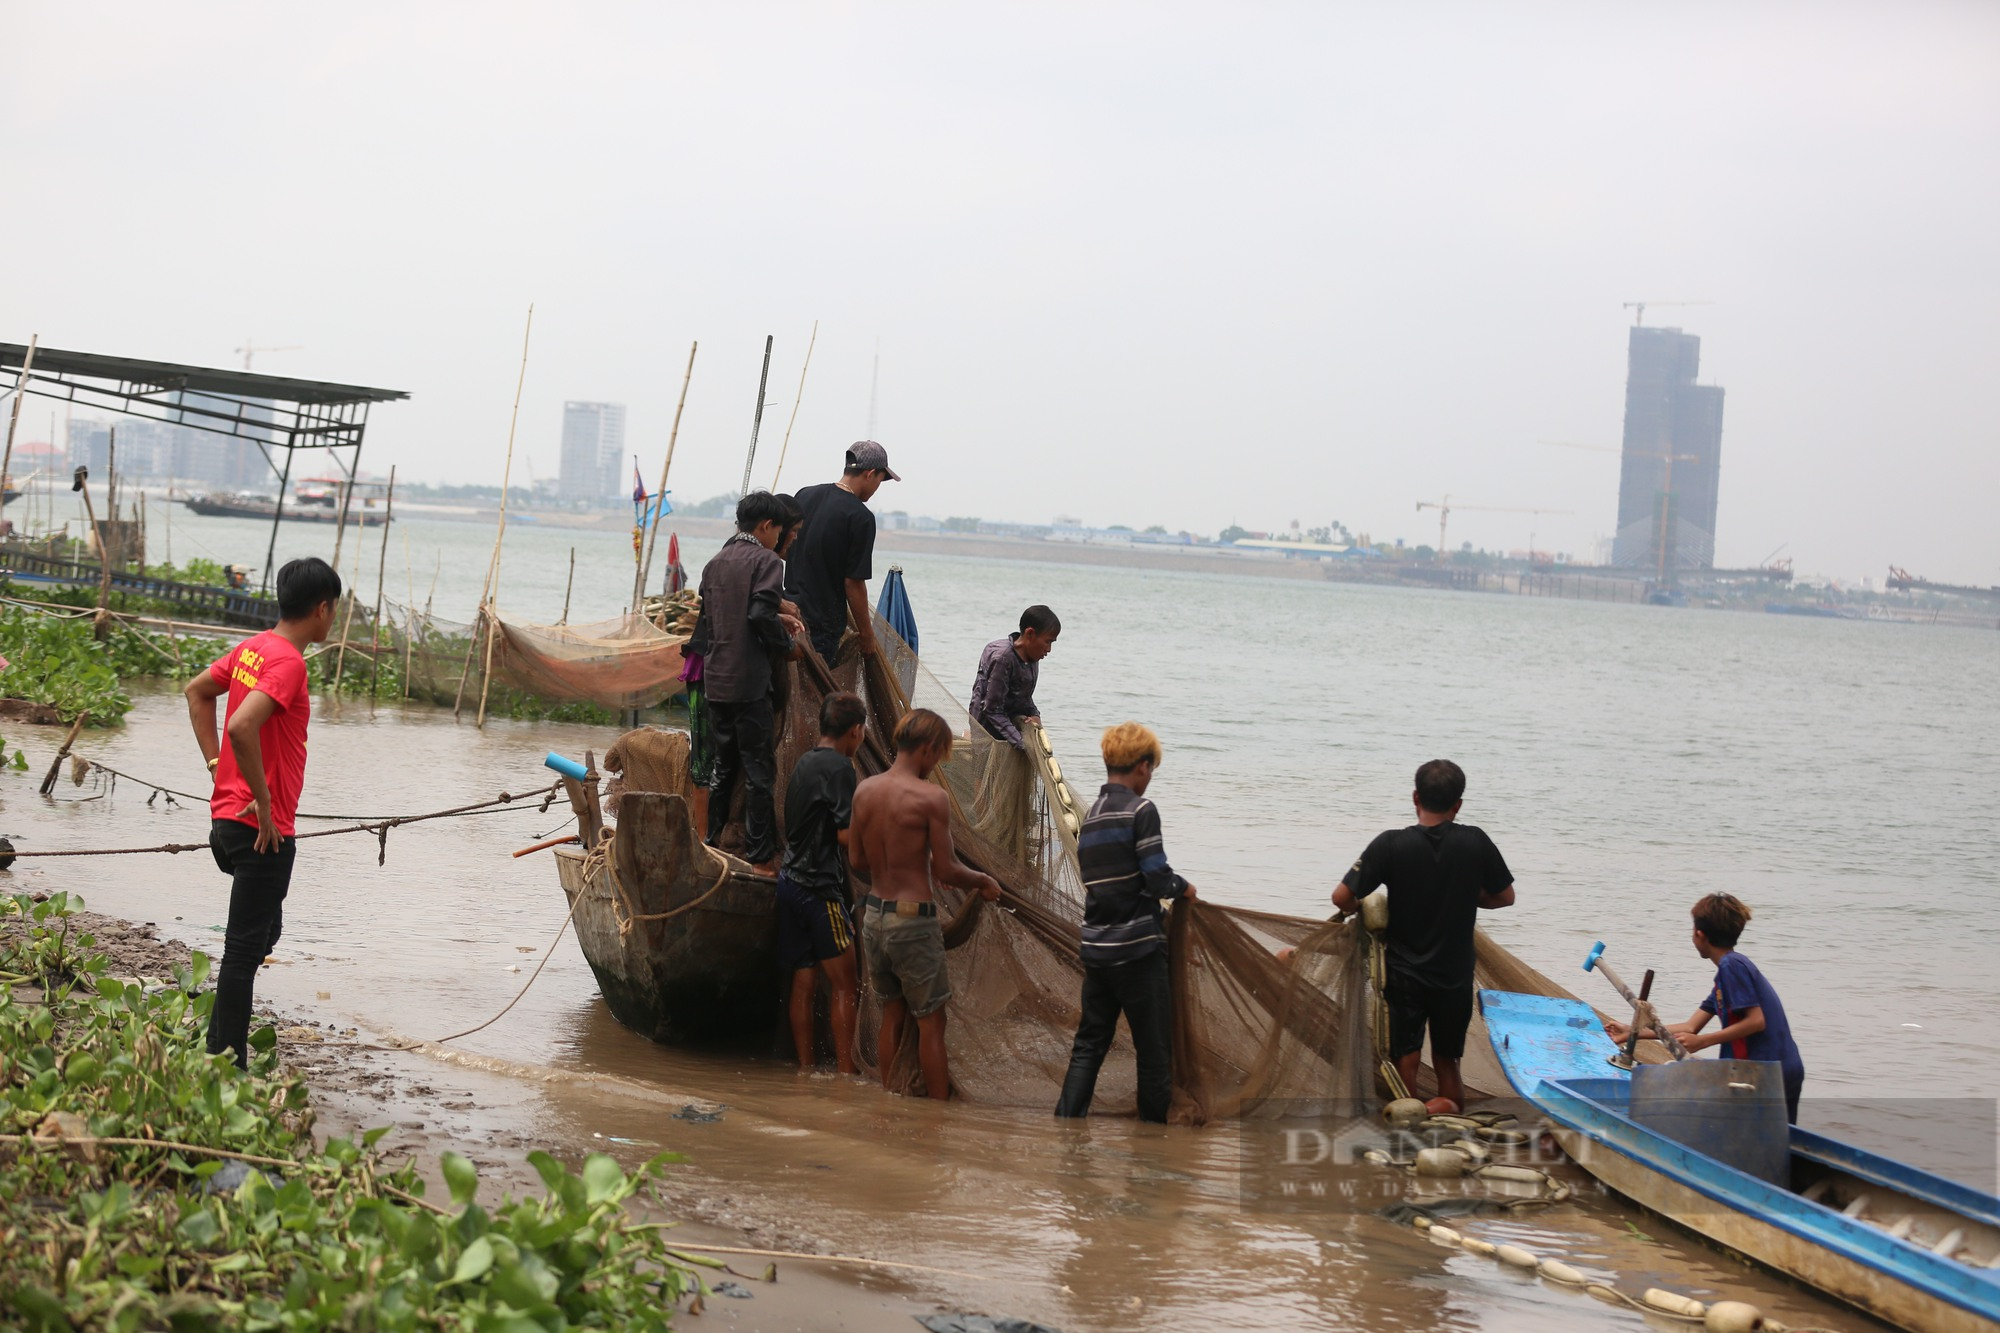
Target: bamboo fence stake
{"points": [[653, 537], [570, 584], [493, 570], [49, 781], [493, 565], [786, 447], [410, 617], [381, 572], [14, 417]]}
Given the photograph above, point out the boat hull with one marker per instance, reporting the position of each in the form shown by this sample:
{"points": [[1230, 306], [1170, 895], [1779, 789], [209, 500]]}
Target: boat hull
{"points": [[1553, 1053], [1866, 1288], [706, 974]]}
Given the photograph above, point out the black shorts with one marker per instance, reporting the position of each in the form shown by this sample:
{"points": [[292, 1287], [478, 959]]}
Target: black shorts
{"points": [[1413, 1006], [811, 927]]}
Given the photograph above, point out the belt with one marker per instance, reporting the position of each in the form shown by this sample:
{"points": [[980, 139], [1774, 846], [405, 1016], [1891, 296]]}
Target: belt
{"points": [[900, 906]]}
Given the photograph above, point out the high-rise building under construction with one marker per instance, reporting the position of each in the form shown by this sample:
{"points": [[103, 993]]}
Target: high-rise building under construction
{"points": [[1672, 457]]}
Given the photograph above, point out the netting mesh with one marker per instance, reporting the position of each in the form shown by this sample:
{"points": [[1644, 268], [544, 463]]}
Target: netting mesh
{"points": [[1274, 1015]]}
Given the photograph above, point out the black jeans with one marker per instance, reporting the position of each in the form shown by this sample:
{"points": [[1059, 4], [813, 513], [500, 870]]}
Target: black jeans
{"points": [[258, 884], [742, 735], [1141, 991]]}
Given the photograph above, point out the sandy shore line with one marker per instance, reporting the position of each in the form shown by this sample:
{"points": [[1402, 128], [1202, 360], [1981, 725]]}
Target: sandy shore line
{"points": [[437, 1099]]}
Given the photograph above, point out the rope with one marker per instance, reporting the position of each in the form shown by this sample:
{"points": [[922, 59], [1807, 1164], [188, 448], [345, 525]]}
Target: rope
{"points": [[378, 827], [547, 954], [599, 858], [80, 768]]}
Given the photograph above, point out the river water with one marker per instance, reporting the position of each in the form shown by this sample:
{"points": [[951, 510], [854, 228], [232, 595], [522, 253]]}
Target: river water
{"points": [[1627, 759]]}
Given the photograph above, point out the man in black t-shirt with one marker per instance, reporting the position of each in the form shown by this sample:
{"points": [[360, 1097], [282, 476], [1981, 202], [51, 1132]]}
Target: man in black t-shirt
{"points": [[829, 566], [815, 910], [1439, 873]]}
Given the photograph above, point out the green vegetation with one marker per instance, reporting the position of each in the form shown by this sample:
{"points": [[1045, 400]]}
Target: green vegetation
{"points": [[97, 1235], [59, 661]]}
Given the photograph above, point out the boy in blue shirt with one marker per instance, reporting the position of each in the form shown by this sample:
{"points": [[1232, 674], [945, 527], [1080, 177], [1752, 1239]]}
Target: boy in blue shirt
{"points": [[1753, 1017]]}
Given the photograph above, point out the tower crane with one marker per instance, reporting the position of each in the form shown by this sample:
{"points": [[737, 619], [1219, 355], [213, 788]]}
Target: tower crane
{"points": [[1667, 459], [1445, 508], [1638, 308], [251, 348]]}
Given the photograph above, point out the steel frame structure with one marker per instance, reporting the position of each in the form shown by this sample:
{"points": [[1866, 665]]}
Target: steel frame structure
{"points": [[269, 411]]}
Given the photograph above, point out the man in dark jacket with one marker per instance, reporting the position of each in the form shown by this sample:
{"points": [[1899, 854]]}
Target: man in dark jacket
{"points": [[1125, 879], [1009, 670], [741, 629]]}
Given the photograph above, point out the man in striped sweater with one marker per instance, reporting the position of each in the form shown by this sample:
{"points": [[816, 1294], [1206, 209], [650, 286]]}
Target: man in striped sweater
{"points": [[1126, 877]]}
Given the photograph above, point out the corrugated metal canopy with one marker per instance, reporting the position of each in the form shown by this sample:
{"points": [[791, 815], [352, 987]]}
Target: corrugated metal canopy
{"points": [[167, 375]]}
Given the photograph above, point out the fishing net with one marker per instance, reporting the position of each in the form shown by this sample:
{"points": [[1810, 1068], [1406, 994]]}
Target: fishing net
{"points": [[1274, 1015], [626, 662]]}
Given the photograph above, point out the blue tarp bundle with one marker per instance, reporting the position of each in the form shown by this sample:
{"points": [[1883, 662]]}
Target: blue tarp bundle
{"points": [[894, 606]]}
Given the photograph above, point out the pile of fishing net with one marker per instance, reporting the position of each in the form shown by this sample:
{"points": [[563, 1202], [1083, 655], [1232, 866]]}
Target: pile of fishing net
{"points": [[1255, 1034], [628, 661]]}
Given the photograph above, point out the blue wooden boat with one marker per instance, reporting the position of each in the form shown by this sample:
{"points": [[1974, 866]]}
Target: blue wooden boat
{"points": [[1908, 1247]]}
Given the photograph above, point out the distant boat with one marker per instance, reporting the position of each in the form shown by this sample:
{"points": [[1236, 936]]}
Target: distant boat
{"points": [[1802, 609], [236, 504]]}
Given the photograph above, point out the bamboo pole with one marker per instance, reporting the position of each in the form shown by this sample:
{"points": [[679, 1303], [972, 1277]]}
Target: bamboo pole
{"points": [[493, 565], [653, 537], [14, 417], [757, 420], [786, 447], [493, 570], [568, 586], [381, 572], [410, 624], [99, 625]]}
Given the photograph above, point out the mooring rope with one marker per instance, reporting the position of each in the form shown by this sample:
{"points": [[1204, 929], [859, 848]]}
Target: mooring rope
{"points": [[379, 827], [547, 954], [81, 768]]}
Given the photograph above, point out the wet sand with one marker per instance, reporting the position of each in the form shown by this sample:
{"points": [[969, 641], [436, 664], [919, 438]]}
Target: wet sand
{"points": [[1112, 1226]]}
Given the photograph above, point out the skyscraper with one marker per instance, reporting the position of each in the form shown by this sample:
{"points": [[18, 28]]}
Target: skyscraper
{"points": [[1672, 463], [593, 453]]}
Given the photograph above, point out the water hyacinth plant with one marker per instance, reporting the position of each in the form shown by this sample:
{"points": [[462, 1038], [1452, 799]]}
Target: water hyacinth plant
{"points": [[145, 1184]]}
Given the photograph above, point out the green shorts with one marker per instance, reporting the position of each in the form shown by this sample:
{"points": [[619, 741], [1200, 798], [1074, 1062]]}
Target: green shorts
{"points": [[906, 959]]}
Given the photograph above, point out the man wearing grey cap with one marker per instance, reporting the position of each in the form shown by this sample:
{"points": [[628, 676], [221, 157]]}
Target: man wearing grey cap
{"points": [[828, 568]]}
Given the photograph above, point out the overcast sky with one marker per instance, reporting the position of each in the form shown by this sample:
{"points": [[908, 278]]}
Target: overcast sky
{"points": [[1146, 263]]}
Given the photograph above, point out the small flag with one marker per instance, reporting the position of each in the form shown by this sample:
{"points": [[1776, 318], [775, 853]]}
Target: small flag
{"points": [[638, 483], [649, 514]]}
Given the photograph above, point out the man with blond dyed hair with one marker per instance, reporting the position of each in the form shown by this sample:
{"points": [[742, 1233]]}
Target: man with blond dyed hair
{"points": [[1125, 878], [900, 839]]}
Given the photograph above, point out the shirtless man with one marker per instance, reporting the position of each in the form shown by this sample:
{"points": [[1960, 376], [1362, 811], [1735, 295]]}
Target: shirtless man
{"points": [[901, 840]]}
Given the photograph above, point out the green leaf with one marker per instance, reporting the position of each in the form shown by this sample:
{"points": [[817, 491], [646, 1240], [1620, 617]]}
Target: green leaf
{"points": [[603, 1179], [473, 1262], [198, 966], [371, 1137], [140, 1265], [461, 1176], [548, 1168], [43, 1311], [199, 1230], [264, 1038]]}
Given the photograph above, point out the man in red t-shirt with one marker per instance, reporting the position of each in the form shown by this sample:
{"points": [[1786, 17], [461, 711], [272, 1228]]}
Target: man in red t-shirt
{"points": [[257, 780]]}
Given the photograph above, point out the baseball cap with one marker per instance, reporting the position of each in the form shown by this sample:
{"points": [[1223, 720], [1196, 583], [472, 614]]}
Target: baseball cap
{"points": [[868, 455]]}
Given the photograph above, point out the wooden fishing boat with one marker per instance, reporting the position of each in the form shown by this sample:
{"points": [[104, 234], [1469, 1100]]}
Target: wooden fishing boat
{"points": [[1906, 1246], [681, 937]]}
